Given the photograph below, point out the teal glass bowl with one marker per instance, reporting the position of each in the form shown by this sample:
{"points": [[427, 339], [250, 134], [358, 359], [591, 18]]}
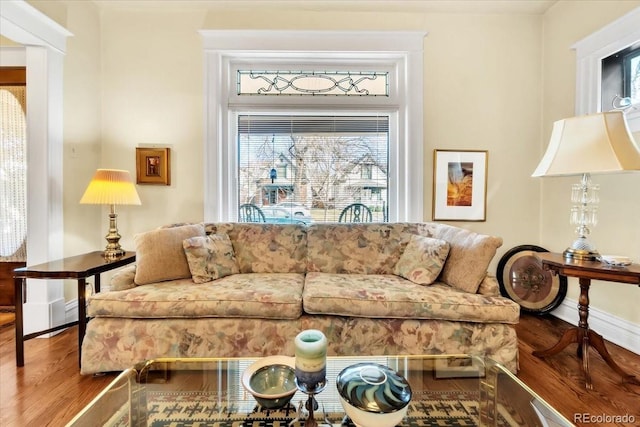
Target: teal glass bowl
{"points": [[373, 395], [271, 381]]}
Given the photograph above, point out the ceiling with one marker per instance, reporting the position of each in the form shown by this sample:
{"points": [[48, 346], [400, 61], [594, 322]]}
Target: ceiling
{"points": [[535, 7]]}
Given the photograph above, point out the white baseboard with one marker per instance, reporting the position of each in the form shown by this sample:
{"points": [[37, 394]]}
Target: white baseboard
{"points": [[614, 329], [71, 311]]}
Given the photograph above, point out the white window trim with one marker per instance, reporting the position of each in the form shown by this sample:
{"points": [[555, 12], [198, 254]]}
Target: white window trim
{"points": [[44, 46], [590, 52], [224, 48]]}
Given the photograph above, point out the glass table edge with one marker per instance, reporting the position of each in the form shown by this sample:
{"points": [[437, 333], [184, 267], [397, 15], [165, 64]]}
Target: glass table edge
{"points": [[132, 374]]}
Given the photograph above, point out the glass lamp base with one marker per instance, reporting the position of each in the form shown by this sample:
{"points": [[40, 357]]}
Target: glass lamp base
{"points": [[580, 255]]}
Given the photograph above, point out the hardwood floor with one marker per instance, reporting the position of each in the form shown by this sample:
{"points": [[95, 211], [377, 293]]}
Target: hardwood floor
{"points": [[49, 390]]}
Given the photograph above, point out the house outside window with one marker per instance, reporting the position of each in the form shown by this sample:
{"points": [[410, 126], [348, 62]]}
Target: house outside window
{"points": [[330, 158], [311, 79]]}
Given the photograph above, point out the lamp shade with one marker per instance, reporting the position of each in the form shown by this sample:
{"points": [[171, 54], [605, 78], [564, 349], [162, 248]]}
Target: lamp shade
{"points": [[594, 143], [111, 187]]}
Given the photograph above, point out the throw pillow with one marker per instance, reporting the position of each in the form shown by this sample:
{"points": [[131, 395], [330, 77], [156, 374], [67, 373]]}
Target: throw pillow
{"points": [[123, 279], [210, 257], [160, 254], [469, 257], [422, 260]]}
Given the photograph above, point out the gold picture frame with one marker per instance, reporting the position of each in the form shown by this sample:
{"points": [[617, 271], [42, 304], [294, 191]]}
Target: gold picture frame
{"points": [[153, 166], [460, 185]]}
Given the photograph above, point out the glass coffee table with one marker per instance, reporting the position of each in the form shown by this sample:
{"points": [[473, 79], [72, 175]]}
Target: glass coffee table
{"points": [[453, 390]]}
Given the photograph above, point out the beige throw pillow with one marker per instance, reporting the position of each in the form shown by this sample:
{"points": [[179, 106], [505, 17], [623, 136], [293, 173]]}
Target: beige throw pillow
{"points": [[123, 279], [210, 257], [160, 254], [469, 257], [422, 260]]}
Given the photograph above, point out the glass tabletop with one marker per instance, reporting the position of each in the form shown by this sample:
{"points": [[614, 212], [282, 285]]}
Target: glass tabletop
{"points": [[454, 389]]}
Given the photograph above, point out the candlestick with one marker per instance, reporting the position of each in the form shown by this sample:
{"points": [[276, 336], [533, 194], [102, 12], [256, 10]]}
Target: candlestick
{"points": [[311, 360]]}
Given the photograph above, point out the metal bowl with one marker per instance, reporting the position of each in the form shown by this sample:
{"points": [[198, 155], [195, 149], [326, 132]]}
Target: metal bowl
{"points": [[271, 381], [373, 394]]}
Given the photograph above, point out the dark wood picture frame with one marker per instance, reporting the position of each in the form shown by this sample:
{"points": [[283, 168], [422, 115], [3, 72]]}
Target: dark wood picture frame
{"points": [[153, 166]]}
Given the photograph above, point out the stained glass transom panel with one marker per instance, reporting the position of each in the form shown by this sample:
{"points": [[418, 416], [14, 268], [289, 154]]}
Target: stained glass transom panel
{"points": [[313, 83]]}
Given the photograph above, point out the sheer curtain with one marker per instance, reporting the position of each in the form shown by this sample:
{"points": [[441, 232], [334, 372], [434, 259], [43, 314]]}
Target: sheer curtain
{"points": [[13, 174]]}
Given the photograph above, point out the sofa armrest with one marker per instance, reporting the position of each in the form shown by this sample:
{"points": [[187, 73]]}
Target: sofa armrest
{"points": [[123, 279], [489, 286]]}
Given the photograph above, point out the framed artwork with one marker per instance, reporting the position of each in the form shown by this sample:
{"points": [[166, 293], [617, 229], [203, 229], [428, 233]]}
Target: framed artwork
{"points": [[459, 185], [523, 279], [153, 166]]}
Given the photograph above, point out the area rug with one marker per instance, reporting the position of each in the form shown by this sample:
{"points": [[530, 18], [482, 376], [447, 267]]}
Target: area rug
{"points": [[205, 409]]}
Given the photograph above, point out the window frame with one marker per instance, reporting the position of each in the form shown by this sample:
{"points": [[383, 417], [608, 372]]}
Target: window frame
{"points": [[627, 72], [590, 51], [227, 50]]}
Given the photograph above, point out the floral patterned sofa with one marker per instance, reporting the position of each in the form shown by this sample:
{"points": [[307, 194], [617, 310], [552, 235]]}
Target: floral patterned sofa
{"points": [[241, 289]]}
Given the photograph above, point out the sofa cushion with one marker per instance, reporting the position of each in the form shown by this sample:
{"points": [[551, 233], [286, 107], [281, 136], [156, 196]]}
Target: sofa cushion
{"points": [[210, 257], [422, 260], [469, 256], [160, 255], [257, 295], [266, 248], [390, 296], [372, 248]]}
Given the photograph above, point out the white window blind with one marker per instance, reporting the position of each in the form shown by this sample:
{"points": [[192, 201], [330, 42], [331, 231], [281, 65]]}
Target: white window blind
{"points": [[314, 165]]}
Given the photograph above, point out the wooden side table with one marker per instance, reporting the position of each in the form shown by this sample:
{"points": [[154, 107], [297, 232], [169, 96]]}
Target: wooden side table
{"points": [[586, 271], [77, 267]]}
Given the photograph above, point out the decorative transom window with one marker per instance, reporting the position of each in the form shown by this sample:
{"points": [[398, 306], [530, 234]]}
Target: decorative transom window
{"points": [[301, 125], [312, 82]]}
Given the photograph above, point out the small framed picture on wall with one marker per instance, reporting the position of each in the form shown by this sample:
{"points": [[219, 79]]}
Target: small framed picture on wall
{"points": [[153, 166], [459, 185]]}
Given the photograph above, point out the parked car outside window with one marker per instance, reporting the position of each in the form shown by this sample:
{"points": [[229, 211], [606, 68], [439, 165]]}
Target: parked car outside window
{"points": [[278, 215], [295, 208]]}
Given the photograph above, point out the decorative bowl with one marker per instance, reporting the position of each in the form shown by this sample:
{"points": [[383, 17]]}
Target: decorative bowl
{"points": [[271, 381], [373, 395]]}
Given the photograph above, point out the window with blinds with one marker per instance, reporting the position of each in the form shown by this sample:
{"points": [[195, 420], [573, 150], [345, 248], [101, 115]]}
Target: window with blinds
{"points": [[305, 168]]}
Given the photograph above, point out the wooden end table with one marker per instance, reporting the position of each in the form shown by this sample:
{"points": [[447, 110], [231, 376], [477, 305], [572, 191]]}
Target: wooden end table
{"points": [[586, 271], [77, 267]]}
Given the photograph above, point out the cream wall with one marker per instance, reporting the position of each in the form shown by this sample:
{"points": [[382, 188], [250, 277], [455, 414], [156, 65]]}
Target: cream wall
{"points": [[494, 82], [476, 67]]}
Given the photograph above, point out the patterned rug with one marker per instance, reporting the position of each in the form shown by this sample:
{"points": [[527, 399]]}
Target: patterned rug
{"points": [[204, 409]]}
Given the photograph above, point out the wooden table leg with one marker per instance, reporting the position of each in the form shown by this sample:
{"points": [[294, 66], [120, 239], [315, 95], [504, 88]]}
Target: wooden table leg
{"points": [[82, 315], [570, 336], [18, 287], [586, 338], [597, 343]]}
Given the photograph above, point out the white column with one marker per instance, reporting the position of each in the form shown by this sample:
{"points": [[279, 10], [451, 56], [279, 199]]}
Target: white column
{"points": [[45, 304]]}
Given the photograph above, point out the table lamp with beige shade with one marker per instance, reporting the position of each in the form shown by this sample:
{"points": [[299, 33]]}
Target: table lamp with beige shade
{"points": [[591, 144], [111, 187]]}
